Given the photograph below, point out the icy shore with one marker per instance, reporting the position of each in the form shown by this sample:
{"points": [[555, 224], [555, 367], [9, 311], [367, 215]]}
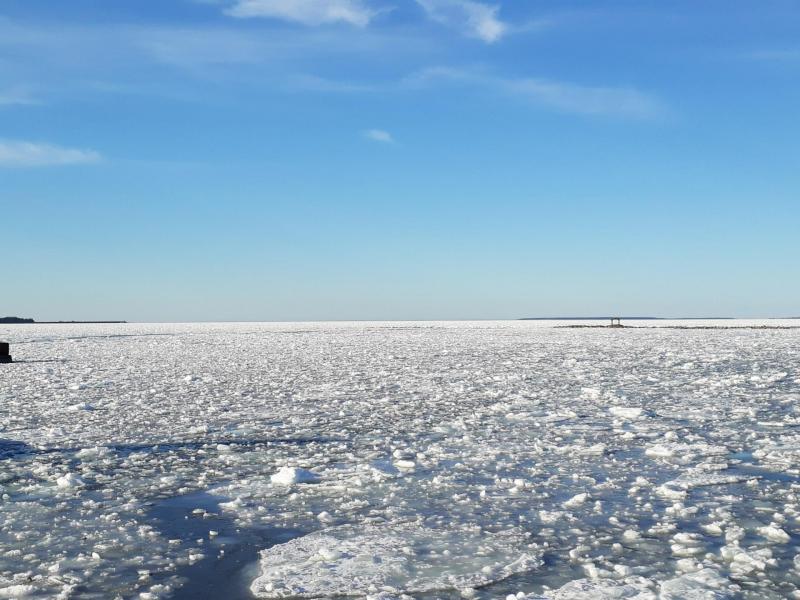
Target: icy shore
{"points": [[382, 460]]}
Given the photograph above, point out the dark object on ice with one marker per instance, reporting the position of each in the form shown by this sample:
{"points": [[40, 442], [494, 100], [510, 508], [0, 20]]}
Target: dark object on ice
{"points": [[14, 320], [5, 357], [616, 322]]}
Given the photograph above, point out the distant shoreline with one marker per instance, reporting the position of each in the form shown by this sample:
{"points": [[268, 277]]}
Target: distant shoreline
{"points": [[21, 321], [78, 322], [27, 321], [657, 319], [684, 327], [629, 318]]}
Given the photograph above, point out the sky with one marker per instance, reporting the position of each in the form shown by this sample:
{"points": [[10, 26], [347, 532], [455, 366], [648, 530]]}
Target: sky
{"points": [[238, 160]]}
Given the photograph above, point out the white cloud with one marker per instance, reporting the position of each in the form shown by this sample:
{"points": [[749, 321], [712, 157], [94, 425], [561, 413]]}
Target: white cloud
{"points": [[31, 154], [379, 135], [306, 12], [473, 19]]}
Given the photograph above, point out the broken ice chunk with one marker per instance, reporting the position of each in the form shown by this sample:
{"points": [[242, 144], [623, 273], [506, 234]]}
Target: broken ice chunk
{"points": [[577, 500], [774, 534], [69, 480], [626, 412]]}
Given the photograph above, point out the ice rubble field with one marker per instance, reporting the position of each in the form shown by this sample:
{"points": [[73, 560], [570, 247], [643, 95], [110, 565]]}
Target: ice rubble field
{"points": [[425, 460]]}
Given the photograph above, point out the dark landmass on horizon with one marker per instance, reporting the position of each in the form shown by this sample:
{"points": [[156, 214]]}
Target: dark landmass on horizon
{"points": [[21, 321]]}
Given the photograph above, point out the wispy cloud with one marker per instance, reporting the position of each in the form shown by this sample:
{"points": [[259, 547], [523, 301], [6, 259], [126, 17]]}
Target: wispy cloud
{"points": [[562, 96], [17, 96], [90, 54], [618, 101], [473, 19], [194, 48], [306, 12], [589, 100], [118, 52], [32, 154], [379, 135]]}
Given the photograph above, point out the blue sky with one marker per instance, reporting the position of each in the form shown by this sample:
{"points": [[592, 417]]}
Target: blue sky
{"points": [[398, 159]]}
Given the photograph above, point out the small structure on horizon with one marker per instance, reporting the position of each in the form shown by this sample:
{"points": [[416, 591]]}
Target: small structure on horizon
{"points": [[616, 322], [5, 356]]}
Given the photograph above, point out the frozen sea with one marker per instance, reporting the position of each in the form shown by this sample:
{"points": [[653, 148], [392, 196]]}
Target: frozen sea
{"points": [[400, 460]]}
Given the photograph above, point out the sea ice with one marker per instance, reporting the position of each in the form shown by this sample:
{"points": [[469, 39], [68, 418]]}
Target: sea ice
{"points": [[626, 412], [358, 560], [601, 589], [426, 456]]}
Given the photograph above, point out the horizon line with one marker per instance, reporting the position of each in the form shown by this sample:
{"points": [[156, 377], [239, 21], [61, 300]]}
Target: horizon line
{"points": [[393, 320]]}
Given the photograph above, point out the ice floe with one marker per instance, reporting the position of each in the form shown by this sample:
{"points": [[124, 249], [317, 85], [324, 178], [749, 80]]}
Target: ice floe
{"points": [[361, 560]]}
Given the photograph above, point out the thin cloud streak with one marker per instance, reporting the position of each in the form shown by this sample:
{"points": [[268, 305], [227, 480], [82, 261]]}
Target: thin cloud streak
{"points": [[558, 95], [113, 48], [202, 52], [32, 154], [306, 12], [16, 96], [567, 97], [379, 135], [579, 99]]}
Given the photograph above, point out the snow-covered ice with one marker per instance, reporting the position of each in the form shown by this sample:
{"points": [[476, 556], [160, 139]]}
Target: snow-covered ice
{"points": [[292, 475], [363, 559], [395, 460]]}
